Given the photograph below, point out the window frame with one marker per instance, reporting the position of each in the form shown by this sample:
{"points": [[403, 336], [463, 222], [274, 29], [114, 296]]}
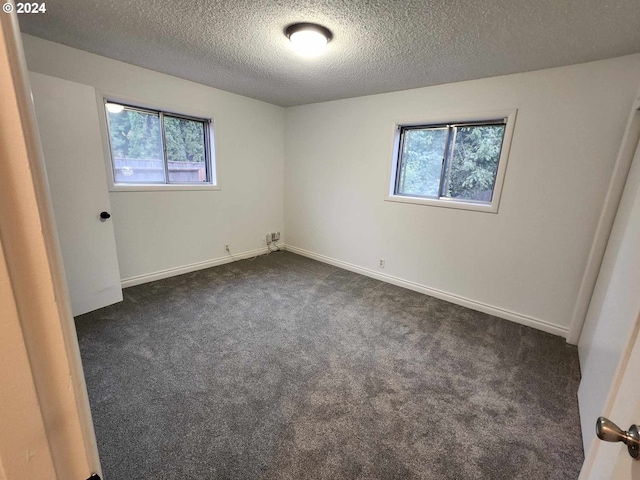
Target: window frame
{"points": [[162, 109], [483, 118]]}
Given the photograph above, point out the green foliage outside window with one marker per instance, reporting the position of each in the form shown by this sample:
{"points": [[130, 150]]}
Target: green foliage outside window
{"points": [[136, 135], [153, 147], [470, 172], [423, 151], [475, 162], [184, 139]]}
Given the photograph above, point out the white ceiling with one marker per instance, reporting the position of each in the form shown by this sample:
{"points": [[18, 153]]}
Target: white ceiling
{"points": [[378, 45]]}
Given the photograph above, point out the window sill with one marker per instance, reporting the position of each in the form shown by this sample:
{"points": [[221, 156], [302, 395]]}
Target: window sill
{"points": [[121, 187], [443, 202]]}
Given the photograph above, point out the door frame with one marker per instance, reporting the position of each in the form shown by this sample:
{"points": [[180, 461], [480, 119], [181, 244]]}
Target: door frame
{"points": [[36, 274]]}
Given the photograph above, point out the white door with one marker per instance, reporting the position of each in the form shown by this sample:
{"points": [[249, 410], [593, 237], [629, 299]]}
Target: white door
{"points": [[67, 116], [610, 386], [612, 460]]}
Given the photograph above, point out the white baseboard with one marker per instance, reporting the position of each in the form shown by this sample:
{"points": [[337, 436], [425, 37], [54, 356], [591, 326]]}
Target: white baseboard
{"points": [[172, 272], [449, 297]]}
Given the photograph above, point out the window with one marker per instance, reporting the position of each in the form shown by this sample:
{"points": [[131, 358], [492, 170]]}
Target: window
{"points": [[152, 147], [456, 164]]}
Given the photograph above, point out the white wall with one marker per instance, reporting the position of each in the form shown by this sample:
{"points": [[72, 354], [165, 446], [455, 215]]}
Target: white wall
{"points": [[524, 263], [156, 231]]}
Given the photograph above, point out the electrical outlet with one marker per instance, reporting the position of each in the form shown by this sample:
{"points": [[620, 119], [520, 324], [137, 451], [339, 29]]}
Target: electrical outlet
{"points": [[275, 236], [381, 263], [268, 238], [226, 247]]}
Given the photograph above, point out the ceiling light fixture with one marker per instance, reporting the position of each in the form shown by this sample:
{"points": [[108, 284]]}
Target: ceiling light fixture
{"points": [[114, 107], [308, 39]]}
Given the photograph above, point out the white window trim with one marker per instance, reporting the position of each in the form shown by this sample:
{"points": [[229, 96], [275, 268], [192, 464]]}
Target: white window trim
{"points": [[509, 115], [101, 95]]}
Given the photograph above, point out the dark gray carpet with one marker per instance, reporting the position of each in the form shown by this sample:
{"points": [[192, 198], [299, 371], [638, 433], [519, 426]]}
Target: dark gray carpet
{"points": [[288, 368]]}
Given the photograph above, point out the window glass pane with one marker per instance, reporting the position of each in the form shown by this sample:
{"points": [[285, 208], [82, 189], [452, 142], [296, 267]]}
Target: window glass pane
{"points": [[421, 162], [474, 162], [136, 146], [185, 142]]}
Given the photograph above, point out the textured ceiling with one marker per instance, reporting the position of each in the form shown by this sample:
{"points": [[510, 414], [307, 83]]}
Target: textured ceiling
{"points": [[378, 45]]}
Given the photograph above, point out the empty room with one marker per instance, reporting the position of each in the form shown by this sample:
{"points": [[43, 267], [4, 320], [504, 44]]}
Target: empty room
{"points": [[320, 240]]}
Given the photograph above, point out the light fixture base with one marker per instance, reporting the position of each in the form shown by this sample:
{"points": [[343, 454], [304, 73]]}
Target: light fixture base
{"points": [[298, 27]]}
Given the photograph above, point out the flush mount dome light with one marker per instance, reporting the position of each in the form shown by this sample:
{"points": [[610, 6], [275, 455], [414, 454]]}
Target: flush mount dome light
{"points": [[308, 38]]}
